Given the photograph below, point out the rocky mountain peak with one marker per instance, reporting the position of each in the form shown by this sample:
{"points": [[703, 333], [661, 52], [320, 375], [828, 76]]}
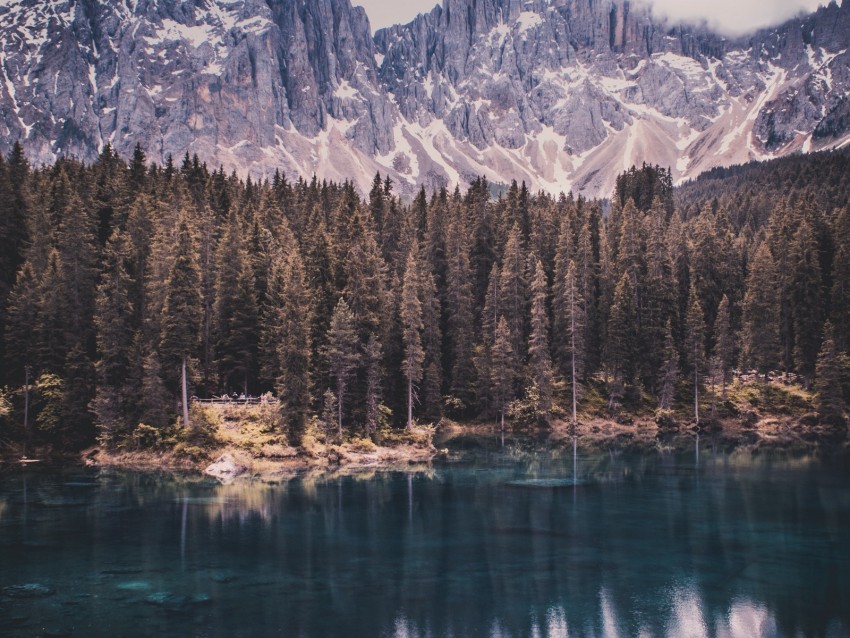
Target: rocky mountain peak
{"points": [[563, 93]]}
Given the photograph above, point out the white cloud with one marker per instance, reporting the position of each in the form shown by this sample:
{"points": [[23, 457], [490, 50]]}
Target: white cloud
{"points": [[734, 17], [730, 17], [385, 13]]}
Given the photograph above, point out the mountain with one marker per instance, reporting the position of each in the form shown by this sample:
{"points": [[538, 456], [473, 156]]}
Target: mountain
{"points": [[563, 94]]}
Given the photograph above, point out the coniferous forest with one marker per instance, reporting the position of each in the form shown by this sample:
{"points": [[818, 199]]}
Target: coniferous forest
{"points": [[127, 287]]}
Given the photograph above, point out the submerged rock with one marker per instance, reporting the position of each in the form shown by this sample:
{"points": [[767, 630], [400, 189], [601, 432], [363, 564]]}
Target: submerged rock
{"points": [[10, 621], [226, 469], [176, 603], [28, 590], [134, 585], [121, 571], [547, 484]]}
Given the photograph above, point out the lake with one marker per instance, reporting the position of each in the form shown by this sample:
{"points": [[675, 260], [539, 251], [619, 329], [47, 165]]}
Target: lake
{"points": [[691, 540]]}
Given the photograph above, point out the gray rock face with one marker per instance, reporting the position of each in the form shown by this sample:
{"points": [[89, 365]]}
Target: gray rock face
{"points": [[561, 93], [222, 78]]}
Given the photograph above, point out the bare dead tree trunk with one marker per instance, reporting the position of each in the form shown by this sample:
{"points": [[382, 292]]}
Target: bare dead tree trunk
{"points": [[26, 408], [185, 392], [409, 404]]}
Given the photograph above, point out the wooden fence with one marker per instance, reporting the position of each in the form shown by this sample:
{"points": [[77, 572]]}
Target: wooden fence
{"points": [[236, 401]]}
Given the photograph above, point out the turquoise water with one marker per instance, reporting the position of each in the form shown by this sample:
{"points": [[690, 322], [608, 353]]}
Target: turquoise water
{"points": [[609, 543]]}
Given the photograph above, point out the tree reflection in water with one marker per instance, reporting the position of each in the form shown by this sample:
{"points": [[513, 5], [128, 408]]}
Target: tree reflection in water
{"points": [[678, 540]]}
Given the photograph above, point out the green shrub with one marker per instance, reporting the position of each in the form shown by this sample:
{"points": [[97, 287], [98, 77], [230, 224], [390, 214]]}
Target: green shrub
{"points": [[665, 419], [146, 437]]}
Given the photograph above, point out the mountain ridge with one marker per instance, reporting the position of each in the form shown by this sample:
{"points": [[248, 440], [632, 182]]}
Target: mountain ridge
{"points": [[562, 94]]}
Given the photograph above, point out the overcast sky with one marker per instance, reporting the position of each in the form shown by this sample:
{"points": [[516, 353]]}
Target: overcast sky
{"points": [[731, 17]]}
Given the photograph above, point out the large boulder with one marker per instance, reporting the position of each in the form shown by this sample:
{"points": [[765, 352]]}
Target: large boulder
{"points": [[226, 469]]}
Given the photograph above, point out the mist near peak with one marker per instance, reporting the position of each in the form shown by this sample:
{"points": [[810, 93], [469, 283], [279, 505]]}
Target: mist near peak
{"points": [[733, 18]]}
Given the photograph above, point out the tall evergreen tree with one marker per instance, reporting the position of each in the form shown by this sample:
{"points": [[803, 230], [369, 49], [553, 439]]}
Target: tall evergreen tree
{"points": [[724, 341], [235, 310], [293, 322], [669, 376], [342, 354], [829, 400], [22, 313], [51, 322], [411, 319], [539, 357], [503, 373], [622, 332], [432, 342], [373, 355], [576, 318], [513, 287], [761, 342], [460, 300], [840, 293], [114, 321], [563, 255], [807, 300], [182, 312], [695, 344]]}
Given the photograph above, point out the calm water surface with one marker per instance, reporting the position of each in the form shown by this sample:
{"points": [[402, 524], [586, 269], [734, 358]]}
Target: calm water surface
{"points": [[609, 543]]}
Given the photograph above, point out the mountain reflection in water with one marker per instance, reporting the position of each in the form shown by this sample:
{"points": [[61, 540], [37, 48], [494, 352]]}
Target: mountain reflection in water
{"points": [[503, 543]]}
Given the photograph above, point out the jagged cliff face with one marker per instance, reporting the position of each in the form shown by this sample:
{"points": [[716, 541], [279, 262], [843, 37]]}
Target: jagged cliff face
{"points": [[563, 94]]}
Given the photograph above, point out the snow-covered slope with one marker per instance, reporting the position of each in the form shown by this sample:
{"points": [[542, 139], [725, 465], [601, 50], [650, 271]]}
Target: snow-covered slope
{"points": [[563, 94]]}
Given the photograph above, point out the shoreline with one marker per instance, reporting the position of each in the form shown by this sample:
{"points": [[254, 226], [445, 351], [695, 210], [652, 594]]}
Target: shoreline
{"points": [[239, 454], [228, 464]]}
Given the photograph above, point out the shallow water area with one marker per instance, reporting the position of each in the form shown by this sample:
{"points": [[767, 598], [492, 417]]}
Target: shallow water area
{"points": [[692, 539]]}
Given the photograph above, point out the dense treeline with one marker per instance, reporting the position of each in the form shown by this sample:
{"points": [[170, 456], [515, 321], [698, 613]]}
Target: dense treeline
{"points": [[750, 192], [126, 288]]}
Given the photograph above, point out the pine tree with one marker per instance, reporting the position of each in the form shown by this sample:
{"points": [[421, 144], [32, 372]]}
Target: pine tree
{"points": [[622, 332], [411, 319], [724, 341], [22, 312], [51, 322], [669, 375], [513, 287], [539, 358], [365, 279], [182, 312], [829, 400], [342, 354], [432, 342], [14, 177], [587, 274], [489, 321], [630, 250], [503, 373], [576, 317], [329, 413], [563, 255], [373, 356], [114, 322], [459, 301], [292, 323], [76, 244], [807, 300], [761, 342], [680, 258], [235, 310], [695, 344], [659, 298], [840, 293]]}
